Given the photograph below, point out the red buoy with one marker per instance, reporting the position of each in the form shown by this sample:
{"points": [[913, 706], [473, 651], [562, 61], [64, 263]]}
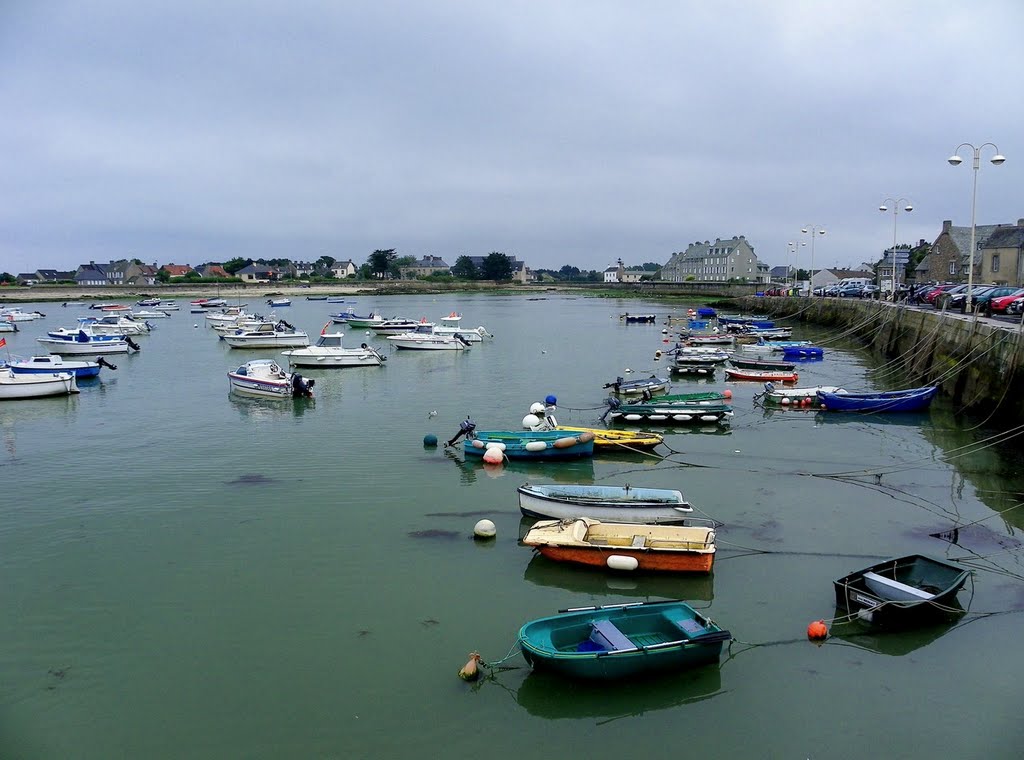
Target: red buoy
{"points": [[727, 393], [817, 631]]}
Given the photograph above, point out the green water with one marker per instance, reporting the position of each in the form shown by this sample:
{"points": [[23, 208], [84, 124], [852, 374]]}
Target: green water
{"points": [[189, 574]]}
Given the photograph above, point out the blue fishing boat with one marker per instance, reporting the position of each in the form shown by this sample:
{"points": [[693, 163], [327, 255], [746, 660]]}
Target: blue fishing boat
{"points": [[51, 363], [909, 400], [622, 640], [803, 352], [531, 444]]}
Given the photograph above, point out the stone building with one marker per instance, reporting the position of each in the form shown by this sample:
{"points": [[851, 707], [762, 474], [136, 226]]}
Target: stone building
{"points": [[721, 261]]}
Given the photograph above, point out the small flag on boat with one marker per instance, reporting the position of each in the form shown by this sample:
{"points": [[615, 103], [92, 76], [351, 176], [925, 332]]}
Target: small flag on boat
{"points": [[3, 342], [324, 330]]}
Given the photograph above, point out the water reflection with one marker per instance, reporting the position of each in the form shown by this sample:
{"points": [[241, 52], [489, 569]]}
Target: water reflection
{"points": [[270, 408], [597, 582], [904, 419], [548, 696], [568, 471], [892, 643]]}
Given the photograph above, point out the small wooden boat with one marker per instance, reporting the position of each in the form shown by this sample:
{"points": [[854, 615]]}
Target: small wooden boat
{"points": [[903, 591], [17, 386], [909, 400], [264, 378], [698, 397], [693, 369], [542, 417], [622, 640], [771, 364], [803, 352], [796, 397], [762, 375], [276, 303], [699, 356], [647, 385], [617, 504], [316, 298], [670, 413], [531, 444], [709, 340], [686, 548]]}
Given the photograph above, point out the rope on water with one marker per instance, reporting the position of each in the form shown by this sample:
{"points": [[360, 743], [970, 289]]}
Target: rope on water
{"points": [[497, 664]]}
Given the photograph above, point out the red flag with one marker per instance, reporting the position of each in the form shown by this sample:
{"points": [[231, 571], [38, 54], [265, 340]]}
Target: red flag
{"points": [[324, 330], [3, 342]]}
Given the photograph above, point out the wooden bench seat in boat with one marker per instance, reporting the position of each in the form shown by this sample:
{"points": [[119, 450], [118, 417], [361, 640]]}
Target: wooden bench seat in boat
{"points": [[887, 588], [609, 637]]}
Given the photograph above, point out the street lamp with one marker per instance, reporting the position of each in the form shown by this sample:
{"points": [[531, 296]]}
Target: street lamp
{"points": [[794, 248], [812, 229], [955, 160], [895, 212]]}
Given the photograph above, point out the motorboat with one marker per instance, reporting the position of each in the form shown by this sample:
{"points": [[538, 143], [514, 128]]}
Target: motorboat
{"points": [[167, 306], [278, 334], [15, 385], [80, 341], [450, 326], [54, 363], [114, 324], [278, 302], [396, 325], [145, 314], [266, 379], [424, 338], [17, 314], [330, 352]]}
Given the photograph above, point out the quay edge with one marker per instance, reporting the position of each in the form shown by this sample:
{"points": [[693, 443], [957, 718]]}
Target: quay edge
{"points": [[976, 361]]}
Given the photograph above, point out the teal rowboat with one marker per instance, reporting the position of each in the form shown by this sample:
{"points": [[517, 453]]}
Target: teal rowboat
{"points": [[532, 444], [622, 640]]}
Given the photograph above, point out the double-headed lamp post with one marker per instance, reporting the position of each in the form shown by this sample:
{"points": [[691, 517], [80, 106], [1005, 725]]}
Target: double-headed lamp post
{"points": [[813, 229], [795, 250], [895, 213], [955, 160]]}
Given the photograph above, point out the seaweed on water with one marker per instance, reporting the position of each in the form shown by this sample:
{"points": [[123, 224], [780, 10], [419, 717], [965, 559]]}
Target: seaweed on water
{"points": [[434, 533], [251, 479]]}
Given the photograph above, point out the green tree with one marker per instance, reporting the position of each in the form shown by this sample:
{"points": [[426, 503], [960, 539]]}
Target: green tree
{"points": [[496, 266], [380, 262], [163, 276], [394, 270], [7, 278], [235, 264], [325, 262], [464, 268], [570, 273]]}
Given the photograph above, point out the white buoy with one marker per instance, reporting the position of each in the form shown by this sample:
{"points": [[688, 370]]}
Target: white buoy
{"points": [[484, 529]]}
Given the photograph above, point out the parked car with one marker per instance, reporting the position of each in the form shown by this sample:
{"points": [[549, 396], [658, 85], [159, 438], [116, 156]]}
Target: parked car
{"points": [[934, 292], [939, 301], [958, 301], [997, 299], [870, 291], [851, 291], [1016, 306]]}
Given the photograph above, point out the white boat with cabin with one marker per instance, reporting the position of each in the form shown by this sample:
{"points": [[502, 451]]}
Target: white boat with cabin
{"points": [[329, 352], [278, 334], [15, 385]]}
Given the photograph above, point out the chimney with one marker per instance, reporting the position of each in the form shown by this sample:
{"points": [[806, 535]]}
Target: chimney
{"points": [[946, 225]]}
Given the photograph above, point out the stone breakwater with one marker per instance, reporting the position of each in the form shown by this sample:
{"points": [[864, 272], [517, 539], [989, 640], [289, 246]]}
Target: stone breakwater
{"points": [[977, 361]]}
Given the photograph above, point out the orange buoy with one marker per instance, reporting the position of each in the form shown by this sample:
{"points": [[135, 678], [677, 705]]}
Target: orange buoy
{"points": [[727, 393], [817, 631], [471, 670]]}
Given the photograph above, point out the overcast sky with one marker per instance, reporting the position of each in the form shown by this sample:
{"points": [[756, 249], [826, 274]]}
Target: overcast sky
{"points": [[558, 132]]}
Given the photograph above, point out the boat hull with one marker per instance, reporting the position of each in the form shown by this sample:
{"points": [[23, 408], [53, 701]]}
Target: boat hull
{"points": [[545, 445], [83, 348], [81, 370], [903, 591], [605, 440], [267, 341], [15, 386], [622, 641], [612, 504], [911, 400]]}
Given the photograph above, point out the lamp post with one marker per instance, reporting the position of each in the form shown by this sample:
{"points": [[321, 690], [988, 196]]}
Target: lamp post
{"points": [[895, 213], [812, 228], [794, 248], [955, 160]]}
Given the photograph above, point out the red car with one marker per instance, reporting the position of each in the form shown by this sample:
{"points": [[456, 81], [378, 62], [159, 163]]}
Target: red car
{"points": [[935, 292], [998, 305]]}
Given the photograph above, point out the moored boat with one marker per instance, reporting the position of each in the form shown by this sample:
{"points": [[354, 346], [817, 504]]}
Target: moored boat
{"points": [[14, 385], [644, 386], [622, 640], [542, 417], [796, 397], [762, 375], [264, 378], [638, 318], [908, 400], [617, 504], [330, 352], [670, 413], [423, 338], [51, 363], [530, 444], [903, 591], [78, 342], [771, 364], [803, 352], [278, 334], [694, 369], [587, 541]]}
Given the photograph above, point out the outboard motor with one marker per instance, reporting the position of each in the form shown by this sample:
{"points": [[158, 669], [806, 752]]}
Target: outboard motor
{"points": [[301, 387], [131, 343], [104, 363], [613, 404], [466, 428]]}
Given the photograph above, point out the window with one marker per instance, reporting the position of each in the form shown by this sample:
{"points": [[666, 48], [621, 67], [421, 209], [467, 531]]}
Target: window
{"points": [[995, 262], [952, 267]]}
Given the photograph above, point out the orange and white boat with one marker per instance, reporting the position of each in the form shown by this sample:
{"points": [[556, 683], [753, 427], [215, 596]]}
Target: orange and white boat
{"points": [[686, 548]]}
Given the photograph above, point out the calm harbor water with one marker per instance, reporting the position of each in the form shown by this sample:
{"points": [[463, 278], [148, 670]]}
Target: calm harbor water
{"points": [[190, 574]]}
